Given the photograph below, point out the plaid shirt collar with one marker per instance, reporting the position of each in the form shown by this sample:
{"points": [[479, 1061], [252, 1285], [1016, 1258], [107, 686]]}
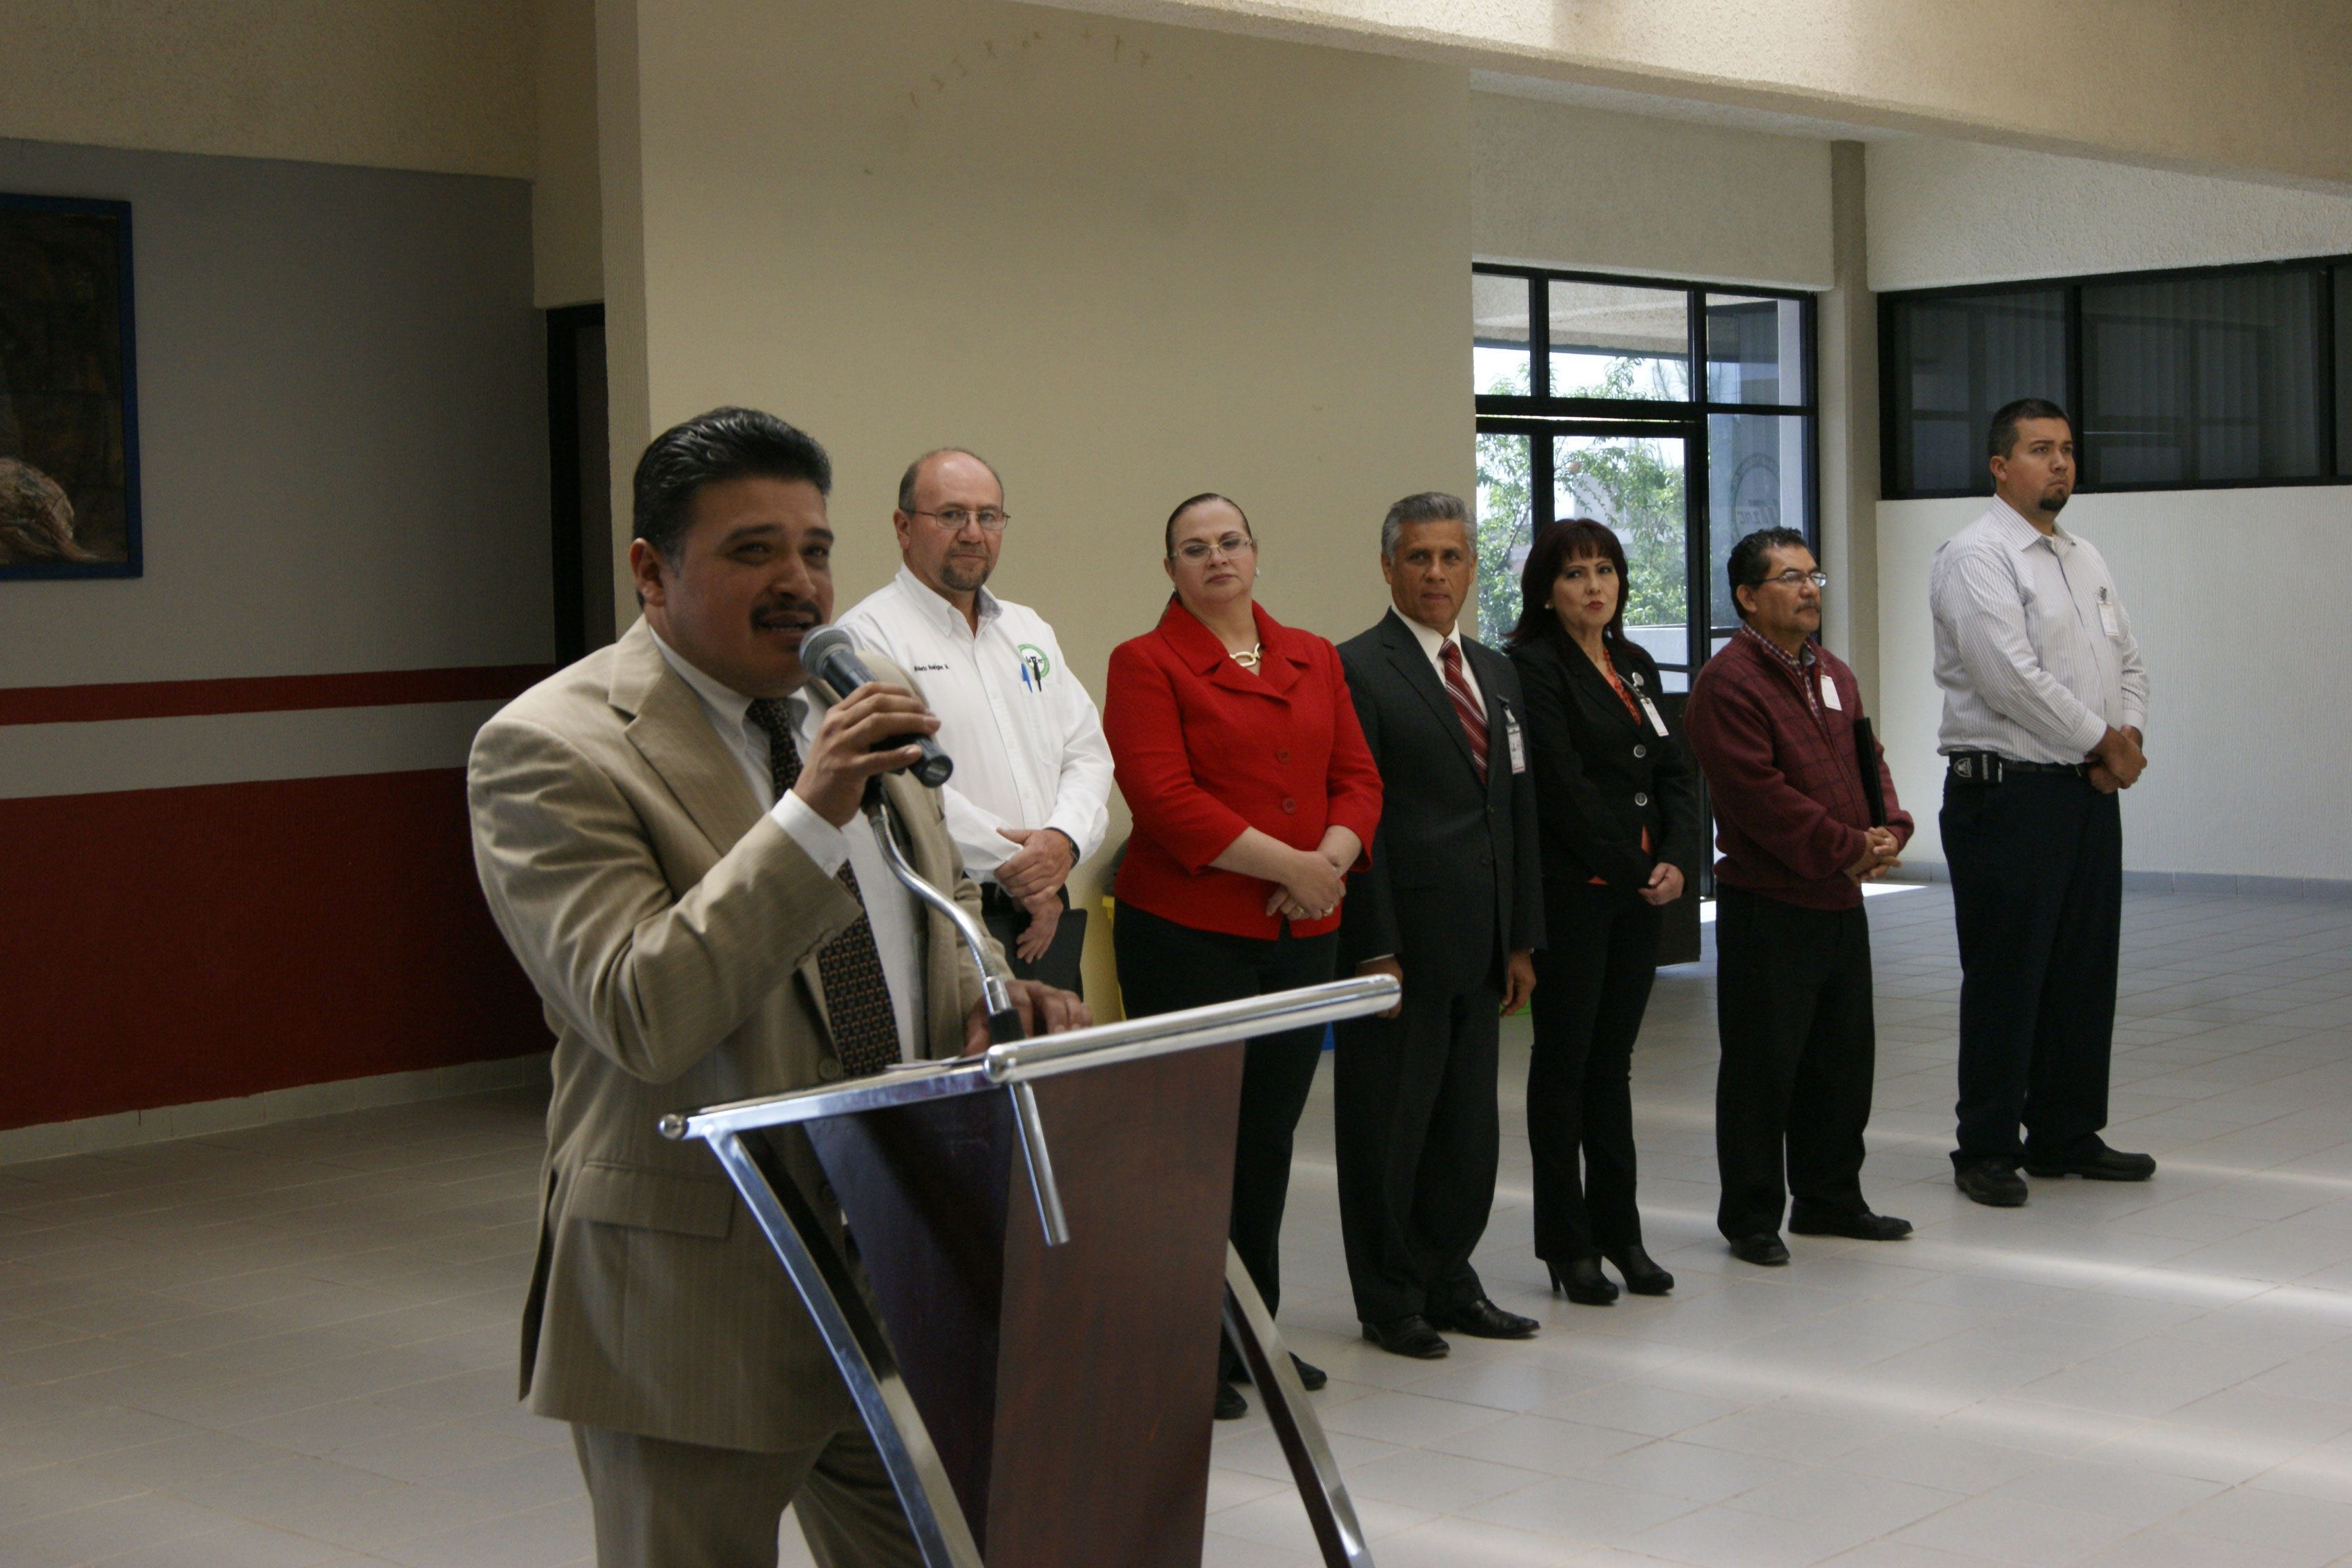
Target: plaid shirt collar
{"points": [[1800, 665]]}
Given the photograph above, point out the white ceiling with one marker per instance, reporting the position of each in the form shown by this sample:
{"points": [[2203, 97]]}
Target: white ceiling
{"points": [[1622, 100]]}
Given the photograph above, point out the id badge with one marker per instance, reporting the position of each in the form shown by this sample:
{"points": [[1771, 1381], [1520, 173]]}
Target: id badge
{"points": [[1658, 719], [2111, 619], [1830, 697], [1517, 742]]}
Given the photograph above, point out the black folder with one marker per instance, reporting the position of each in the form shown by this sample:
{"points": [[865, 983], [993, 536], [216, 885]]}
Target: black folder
{"points": [[1865, 753]]}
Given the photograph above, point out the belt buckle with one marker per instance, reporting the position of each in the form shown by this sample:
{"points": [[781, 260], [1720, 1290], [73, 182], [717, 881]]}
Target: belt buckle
{"points": [[1965, 766]]}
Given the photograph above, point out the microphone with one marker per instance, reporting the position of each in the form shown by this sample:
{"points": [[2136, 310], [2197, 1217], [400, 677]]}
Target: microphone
{"points": [[831, 654]]}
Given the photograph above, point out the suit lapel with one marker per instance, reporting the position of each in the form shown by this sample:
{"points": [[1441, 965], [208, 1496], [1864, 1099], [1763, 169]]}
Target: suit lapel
{"points": [[1406, 658], [671, 729]]}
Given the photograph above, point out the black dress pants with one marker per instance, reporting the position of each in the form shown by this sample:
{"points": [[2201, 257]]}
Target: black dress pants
{"points": [[1592, 985], [1800, 1046], [1164, 967], [1418, 1132], [2037, 894], [1058, 967]]}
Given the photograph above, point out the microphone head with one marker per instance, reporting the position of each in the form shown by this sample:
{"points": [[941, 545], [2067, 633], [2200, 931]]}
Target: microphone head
{"points": [[820, 642]]}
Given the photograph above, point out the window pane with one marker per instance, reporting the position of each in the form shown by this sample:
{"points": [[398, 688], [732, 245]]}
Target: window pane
{"points": [[1756, 466], [1608, 341], [1506, 526], [1755, 349], [2200, 380], [1635, 486], [2344, 371], [1955, 359], [1498, 335]]}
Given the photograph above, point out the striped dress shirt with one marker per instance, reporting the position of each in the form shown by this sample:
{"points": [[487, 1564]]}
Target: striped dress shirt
{"points": [[2033, 648]]}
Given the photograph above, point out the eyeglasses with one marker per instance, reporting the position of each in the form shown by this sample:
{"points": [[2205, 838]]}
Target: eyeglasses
{"points": [[1791, 577], [956, 518], [1196, 550]]}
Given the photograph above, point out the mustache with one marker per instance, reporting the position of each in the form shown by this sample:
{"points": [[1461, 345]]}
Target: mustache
{"points": [[786, 611]]}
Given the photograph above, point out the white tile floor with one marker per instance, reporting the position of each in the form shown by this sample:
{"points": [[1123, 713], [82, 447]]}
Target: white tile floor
{"points": [[294, 1345]]}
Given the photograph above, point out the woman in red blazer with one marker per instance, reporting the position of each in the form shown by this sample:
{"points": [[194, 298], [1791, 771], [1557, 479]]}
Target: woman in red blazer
{"points": [[1253, 795]]}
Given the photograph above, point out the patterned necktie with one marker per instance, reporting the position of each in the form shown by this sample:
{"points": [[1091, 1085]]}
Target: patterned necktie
{"points": [[857, 994], [1465, 707]]}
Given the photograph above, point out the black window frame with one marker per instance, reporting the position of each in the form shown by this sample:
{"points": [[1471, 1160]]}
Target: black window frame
{"points": [[1543, 415], [2329, 460]]}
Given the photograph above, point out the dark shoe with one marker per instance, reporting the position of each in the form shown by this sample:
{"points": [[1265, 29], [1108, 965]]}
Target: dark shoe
{"points": [[1642, 1274], [1993, 1181], [1583, 1280], [1863, 1227], [1231, 1405], [2093, 1162], [1410, 1335], [1764, 1249], [1310, 1378], [1482, 1320]]}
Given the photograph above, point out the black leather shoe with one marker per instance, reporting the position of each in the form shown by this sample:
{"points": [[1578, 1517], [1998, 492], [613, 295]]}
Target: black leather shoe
{"points": [[1993, 1181], [1231, 1405], [1310, 1378], [1642, 1274], [1410, 1335], [1764, 1249], [1583, 1282], [2093, 1162], [1482, 1320], [1863, 1227]]}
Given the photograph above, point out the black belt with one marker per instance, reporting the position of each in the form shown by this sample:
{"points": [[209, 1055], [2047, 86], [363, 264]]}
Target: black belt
{"points": [[1990, 767]]}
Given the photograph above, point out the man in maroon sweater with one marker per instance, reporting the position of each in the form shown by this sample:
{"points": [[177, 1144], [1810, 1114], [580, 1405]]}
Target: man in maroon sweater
{"points": [[1771, 719]]}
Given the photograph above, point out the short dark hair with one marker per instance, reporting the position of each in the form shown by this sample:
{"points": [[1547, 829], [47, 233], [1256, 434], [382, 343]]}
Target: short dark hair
{"points": [[1556, 544], [915, 471], [1429, 506], [2002, 439], [1752, 553], [711, 448], [1168, 536]]}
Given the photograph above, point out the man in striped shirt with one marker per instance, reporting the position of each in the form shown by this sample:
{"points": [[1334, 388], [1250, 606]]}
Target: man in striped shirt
{"points": [[2044, 697]]}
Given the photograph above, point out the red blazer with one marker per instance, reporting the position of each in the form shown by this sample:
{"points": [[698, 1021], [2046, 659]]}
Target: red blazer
{"points": [[1204, 749]]}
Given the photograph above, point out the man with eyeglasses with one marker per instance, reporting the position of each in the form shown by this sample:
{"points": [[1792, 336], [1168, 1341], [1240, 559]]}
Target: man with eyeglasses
{"points": [[1032, 773], [1772, 719], [2044, 696]]}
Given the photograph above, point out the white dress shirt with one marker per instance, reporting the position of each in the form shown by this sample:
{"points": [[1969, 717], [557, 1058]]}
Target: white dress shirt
{"points": [[1433, 645], [1028, 742], [2033, 649], [890, 909]]}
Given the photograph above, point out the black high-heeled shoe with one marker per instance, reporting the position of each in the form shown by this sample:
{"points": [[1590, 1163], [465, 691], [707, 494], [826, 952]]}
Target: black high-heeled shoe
{"points": [[1583, 1282], [1642, 1274]]}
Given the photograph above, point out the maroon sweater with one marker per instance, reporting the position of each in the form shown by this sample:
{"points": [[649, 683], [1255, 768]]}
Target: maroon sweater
{"points": [[1787, 787]]}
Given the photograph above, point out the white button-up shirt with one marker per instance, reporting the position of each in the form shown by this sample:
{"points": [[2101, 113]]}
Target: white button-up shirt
{"points": [[2033, 649], [890, 909], [1432, 645], [1028, 742]]}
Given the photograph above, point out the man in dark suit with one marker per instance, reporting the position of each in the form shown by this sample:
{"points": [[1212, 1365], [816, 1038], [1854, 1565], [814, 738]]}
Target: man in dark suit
{"points": [[1452, 905]]}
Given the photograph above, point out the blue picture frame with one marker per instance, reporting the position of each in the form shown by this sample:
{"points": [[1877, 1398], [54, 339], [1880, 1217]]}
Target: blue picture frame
{"points": [[68, 390]]}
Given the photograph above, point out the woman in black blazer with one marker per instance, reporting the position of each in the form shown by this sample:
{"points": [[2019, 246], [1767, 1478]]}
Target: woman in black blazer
{"points": [[1614, 792]]}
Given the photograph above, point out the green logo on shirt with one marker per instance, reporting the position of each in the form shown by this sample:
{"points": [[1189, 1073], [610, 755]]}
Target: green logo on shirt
{"points": [[1034, 664]]}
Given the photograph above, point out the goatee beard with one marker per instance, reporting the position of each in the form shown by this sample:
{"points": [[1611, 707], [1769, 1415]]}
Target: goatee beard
{"points": [[2054, 502]]}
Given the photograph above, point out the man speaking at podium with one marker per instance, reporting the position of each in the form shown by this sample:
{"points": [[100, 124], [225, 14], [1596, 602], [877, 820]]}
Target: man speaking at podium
{"points": [[665, 835]]}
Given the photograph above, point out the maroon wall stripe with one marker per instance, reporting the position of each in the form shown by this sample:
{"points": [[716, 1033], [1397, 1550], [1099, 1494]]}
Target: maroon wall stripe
{"points": [[206, 942], [264, 693]]}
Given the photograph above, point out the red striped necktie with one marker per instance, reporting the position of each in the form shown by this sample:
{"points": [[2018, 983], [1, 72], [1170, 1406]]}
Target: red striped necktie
{"points": [[1466, 705]]}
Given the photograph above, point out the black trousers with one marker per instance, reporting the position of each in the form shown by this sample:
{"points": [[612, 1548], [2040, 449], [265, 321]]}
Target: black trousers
{"points": [[2037, 892], [1164, 966], [1592, 985], [1418, 1132], [1006, 919], [1800, 1046]]}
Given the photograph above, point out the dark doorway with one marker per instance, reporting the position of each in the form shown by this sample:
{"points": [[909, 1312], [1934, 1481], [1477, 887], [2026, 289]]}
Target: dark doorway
{"points": [[580, 486]]}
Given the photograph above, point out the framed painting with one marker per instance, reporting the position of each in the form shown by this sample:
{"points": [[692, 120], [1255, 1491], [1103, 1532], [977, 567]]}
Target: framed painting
{"points": [[68, 396]]}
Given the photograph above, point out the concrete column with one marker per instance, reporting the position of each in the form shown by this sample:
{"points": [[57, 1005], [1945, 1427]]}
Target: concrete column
{"points": [[1849, 447]]}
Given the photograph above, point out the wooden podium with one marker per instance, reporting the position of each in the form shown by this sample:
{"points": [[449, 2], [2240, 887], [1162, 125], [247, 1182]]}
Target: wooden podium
{"points": [[1038, 1361]]}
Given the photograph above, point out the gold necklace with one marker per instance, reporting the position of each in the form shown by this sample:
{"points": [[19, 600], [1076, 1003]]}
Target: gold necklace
{"points": [[1249, 660]]}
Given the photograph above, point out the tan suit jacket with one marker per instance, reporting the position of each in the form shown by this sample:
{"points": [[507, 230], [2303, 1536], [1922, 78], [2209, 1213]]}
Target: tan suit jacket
{"points": [[672, 930]]}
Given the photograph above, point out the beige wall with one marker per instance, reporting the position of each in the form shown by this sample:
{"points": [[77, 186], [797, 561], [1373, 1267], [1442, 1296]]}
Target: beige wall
{"points": [[1560, 185], [2228, 592], [2251, 86], [567, 214], [1125, 263], [437, 85]]}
